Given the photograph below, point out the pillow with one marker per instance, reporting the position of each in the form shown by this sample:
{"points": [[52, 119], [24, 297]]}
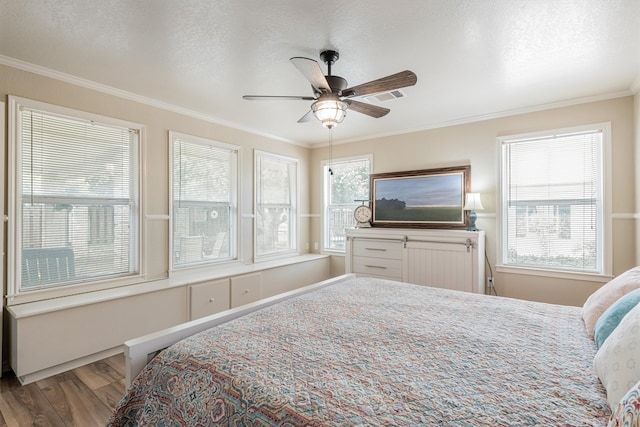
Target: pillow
{"points": [[627, 414], [601, 299], [617, 363], [613, 315]]}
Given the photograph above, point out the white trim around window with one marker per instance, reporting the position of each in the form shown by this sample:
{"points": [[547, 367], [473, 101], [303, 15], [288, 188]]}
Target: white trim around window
{"points": [[603, 238], [92, 196], [342, 212], [275, 202], [203, 202], [2, 185]]}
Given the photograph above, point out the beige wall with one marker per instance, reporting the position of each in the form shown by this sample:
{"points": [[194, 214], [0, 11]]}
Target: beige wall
{"points": [[637, 171], [475, 144], [158, 122]]}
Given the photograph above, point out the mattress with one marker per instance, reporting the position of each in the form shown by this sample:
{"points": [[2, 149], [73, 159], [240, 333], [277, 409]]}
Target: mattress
{"points": [[378, 352]]}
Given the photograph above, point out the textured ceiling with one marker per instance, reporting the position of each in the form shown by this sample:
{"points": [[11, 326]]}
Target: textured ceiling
{"points": [[474, 58]]}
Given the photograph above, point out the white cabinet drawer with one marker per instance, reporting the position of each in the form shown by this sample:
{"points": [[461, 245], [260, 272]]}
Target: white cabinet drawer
{"points": [[246, 289], [377, 249], [208, 298], [381, 267]]}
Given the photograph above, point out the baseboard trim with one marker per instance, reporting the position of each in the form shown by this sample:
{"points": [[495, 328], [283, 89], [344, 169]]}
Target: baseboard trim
{"points": [[67, 366]]}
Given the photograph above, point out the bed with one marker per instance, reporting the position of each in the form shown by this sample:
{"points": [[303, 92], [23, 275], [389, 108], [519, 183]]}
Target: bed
{"points": [[365, 351]]}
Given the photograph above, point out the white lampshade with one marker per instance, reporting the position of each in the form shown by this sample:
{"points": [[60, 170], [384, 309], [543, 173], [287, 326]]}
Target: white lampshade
{"points": [[329, 110], [472, 202]]}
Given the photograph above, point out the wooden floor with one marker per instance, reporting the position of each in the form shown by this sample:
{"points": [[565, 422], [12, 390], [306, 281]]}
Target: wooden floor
{"points": [[85, 396]]}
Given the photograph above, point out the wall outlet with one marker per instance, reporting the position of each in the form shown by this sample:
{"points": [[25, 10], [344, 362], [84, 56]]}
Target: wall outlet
{"points": [[315, 246], [307, 246], [490, 282]]}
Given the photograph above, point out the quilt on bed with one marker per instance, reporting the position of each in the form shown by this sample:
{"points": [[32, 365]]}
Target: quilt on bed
{"points": [[377, 352]]}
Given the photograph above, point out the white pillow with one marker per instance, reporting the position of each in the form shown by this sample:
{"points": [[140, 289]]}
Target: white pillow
{"points": [[617, 363], [600, 300]]}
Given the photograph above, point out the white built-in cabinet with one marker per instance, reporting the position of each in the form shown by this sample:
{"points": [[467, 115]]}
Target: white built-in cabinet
{"points": [[53, 336], [451, 259], [212, 297]]}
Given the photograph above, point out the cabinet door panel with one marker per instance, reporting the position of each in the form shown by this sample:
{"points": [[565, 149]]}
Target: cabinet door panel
{"points": [[441, 265], [208, 298], [246, 289]]}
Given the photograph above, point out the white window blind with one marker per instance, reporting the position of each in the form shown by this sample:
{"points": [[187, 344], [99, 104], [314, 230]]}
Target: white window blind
{"points": [[348, 183], [553, 201], [276, 187], [204, 198], [77, 200]]}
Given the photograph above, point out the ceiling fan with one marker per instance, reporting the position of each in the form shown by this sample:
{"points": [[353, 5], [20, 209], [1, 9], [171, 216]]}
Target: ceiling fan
{"points": [[331, 95]]}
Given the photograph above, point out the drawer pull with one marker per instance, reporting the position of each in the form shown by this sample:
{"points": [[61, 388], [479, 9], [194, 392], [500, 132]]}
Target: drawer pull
{"points": [[376, 249], [212, 299], [376, 266], [246, 291]]}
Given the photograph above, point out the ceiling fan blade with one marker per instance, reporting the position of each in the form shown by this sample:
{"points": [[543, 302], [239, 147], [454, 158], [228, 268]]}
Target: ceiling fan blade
{"points": [[269, 97], [312, 71], [307, 117], [385, 84], [368, 109]]}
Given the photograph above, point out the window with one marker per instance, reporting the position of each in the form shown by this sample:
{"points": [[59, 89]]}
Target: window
{"points": [[552, 195], [74, 197], [204, 191], [276, 198], [348, 183]]}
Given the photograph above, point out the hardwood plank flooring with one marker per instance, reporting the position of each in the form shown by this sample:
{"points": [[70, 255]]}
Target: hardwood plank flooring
{"points": [[83, 397]]}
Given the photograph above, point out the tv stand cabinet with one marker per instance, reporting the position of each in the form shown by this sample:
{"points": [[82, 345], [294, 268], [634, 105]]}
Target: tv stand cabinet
{"points": [[451, 259]]}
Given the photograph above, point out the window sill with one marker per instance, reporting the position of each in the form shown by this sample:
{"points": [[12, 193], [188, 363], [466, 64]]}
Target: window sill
{"points": [[183, 279], [557, 274], [334, 252], [261, 259]]}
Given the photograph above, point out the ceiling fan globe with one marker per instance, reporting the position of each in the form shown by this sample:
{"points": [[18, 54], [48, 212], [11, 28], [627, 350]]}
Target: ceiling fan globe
{"points": [[330, 110]]}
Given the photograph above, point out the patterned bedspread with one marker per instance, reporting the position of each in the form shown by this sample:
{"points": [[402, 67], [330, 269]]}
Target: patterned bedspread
{"points": [[371, 352]]}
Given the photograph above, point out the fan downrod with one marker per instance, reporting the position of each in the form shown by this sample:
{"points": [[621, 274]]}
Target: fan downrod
{"points": [[336, 83]]}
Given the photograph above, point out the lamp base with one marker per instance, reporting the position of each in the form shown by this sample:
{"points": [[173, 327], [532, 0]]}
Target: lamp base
{"points": [[472, 221]]}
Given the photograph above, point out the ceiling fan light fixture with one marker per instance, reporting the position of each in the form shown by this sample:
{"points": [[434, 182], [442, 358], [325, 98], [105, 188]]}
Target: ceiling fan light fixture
{"points": [[329, 111], [331, 95]]}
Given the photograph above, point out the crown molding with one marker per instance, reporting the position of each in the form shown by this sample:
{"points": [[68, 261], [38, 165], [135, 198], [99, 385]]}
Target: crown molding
{"points": [[109, 90], [489, 116], [89, 84]]}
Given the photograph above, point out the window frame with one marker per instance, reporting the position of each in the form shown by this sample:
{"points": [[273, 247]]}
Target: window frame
{"points": [[324, 166], [234, 208], [14, 224], [605, 233], [294, 220]]}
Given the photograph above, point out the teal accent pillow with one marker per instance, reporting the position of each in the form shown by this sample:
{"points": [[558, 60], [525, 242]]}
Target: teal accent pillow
{"points": [[613, 315]]}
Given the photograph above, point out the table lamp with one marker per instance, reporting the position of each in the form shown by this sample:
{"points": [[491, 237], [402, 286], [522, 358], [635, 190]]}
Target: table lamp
{"points": [[473, 203]]}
